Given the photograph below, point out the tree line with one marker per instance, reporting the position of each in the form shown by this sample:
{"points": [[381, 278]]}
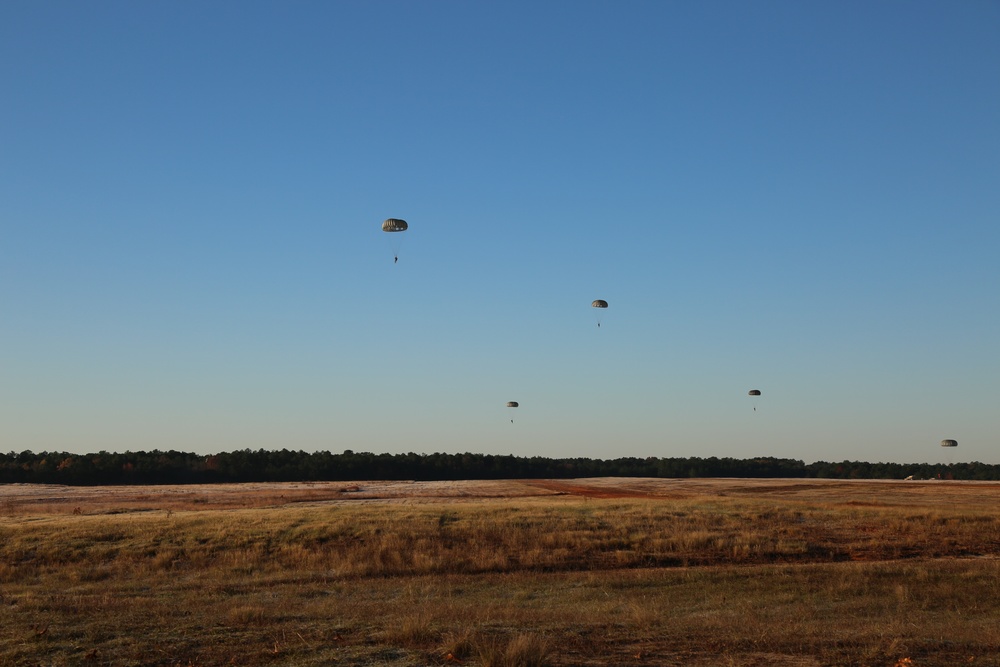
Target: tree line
{"points": [[264, 465]]}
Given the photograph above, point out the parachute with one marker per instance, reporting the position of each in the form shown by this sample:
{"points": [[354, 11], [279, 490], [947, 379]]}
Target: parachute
{"points": [[949, 443], [512, 404], [395, 225], [599, 303], [754, 393]]}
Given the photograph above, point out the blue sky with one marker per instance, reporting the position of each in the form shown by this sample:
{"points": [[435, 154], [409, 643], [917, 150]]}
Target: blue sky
{"points": [[801, 198]]}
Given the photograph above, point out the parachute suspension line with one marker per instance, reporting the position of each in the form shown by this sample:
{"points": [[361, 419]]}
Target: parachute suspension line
{"points": [[512, 404], [394, 226], [601, 304]]}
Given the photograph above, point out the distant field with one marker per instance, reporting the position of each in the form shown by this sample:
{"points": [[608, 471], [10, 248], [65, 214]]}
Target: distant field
{"points": [[607, 571]]}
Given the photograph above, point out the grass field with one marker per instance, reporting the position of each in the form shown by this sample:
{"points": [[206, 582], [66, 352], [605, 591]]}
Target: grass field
{"points": [[542, 572]]}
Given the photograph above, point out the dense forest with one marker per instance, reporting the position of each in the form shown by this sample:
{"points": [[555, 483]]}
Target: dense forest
{"points": [[262, 465]]}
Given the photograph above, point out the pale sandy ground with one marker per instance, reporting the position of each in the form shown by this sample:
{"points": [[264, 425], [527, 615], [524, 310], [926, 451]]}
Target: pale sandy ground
{"points": [[57, 499]]}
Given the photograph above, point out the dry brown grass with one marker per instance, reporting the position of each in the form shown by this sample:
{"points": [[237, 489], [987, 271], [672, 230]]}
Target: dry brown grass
{"points": [[589, 572]]}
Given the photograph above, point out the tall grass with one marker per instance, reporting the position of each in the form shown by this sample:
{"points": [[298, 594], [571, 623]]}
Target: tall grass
{"points": [[479, 538], [704, 580]]}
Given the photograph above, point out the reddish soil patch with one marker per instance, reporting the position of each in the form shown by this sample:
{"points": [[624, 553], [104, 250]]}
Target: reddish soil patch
{"points": [[568, 488]]}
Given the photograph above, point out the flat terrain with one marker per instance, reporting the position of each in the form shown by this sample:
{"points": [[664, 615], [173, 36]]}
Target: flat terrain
{"points": [[600, 571], [55, 499]]}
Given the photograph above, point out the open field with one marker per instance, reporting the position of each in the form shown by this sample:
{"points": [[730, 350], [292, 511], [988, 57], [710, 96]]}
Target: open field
{"points": [[731, 572]]}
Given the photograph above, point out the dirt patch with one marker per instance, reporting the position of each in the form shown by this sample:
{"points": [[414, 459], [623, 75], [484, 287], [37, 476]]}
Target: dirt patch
{"points": [[583, 490]]}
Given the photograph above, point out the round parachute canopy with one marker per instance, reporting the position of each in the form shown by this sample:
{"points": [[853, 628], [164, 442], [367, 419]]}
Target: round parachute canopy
{"points": [[949, 443], [753, 392], [512, 404], [394, 225], [599, 303]]}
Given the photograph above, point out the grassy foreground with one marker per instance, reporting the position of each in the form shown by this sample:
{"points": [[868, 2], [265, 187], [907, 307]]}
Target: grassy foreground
{"points": [[849, 575]]}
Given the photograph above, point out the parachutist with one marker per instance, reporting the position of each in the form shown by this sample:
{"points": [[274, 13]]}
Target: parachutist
{"points": [[599, 303], [395, 226]]}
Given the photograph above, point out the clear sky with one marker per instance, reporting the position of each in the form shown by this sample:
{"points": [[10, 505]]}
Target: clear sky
{"points": [[796, 197]]}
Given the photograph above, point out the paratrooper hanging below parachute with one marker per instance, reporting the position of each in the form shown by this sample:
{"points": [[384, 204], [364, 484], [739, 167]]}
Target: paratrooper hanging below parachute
{"points": [[395, 225], [948, 454], [599, 303]]}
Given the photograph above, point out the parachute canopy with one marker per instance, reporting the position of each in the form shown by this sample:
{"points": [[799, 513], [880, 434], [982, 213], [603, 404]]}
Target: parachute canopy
{"points": [[599, 303], [753, 392], [512, 404], [394, 225], [949, 443]]}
